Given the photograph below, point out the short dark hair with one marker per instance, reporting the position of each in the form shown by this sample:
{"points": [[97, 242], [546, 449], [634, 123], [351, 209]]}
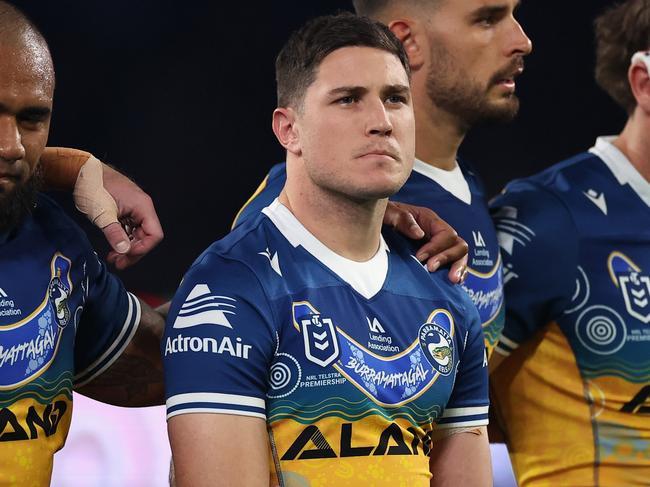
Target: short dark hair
{"points": [[298, 61], [373, 8], [620, 32]]}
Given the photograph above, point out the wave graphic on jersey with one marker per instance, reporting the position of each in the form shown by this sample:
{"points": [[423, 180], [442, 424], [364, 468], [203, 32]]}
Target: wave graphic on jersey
{"points": [[28, 347], [351, 411], [40, 390], [634, 285], [201, 307], [389, 381]]}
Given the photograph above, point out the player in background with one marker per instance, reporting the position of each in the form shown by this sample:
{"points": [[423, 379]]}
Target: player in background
{"points": [[464, 56], [308, 347], [65, 322], [574, 393]]}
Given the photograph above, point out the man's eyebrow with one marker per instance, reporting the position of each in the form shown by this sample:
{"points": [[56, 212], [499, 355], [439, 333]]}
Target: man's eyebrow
{"points": [[397, 89], [348, 90], [35, 112], [490, 10]]}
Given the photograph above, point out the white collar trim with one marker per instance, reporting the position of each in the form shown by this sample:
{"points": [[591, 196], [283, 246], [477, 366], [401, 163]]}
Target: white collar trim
{"points": [[453, 181], [367, 278], [621, 167]]}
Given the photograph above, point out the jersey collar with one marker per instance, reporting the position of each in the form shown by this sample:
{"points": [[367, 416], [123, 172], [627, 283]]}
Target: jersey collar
{"points": [[452, 181], [367, 278], [621, 167]]}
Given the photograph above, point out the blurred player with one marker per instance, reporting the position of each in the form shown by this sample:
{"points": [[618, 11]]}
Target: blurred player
{"points": [[64, 321], [574, 395], [464, 56], [306, 347]]}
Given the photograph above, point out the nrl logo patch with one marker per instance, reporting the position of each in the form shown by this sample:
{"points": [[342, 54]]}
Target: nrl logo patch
{"points": [[634, 286], [437, 342]]}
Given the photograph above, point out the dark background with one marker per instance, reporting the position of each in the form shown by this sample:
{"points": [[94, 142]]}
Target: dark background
{"points": [[179, 96]]}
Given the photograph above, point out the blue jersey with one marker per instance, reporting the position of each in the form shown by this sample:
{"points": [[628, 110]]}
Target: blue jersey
{"points": [[352, 365], [575, 395], [471, 219], [63, 321]]}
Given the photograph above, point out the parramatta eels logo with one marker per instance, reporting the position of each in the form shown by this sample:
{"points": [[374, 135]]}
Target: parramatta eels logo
{"points": [[634, 286], [387, 380], [28, 347], [437, 342]]}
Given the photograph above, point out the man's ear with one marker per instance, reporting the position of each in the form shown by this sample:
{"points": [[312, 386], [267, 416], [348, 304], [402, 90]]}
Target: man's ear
{"points": [[414, 39], [286, 130], [639, 80]]}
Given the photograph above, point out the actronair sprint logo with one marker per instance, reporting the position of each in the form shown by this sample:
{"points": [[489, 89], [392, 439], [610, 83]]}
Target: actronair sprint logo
{"points": [[201, 307]]}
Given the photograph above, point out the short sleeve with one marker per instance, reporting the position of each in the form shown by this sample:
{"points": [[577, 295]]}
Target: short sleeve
{"points": [[109, 319], [539, 246], [267, 191], [219, 341], [469, 402]]}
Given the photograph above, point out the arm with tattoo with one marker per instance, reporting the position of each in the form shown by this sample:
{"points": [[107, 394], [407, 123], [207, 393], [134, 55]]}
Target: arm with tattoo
{"points": [[135, 378]]}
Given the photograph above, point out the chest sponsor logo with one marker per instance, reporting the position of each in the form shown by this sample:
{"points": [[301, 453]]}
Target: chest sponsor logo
{"points": [[8, 306], [312, 444], [390, 380], [633, 283], [38, 420], [28, 347]]}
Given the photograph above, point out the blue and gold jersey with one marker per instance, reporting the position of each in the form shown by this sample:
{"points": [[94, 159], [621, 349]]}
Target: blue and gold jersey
{"points": [[352, 365], [469, 217], [574, 395], [63, 320]]}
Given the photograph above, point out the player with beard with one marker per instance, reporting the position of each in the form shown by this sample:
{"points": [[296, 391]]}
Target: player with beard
{"points": [[464, 56], [65, 322]]}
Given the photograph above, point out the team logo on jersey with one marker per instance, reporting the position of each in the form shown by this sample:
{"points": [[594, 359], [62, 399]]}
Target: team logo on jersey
{"points": [[28, 347], [634, 286], [58, 293], [319, 334], [436, 341]]}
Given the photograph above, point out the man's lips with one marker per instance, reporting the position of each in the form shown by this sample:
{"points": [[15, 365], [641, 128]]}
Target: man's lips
{"points": [[380, 153]]}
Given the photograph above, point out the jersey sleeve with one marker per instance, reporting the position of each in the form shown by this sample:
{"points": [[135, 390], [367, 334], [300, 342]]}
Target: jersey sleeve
{"points": [[266, 192], [539, 246], [109, 319], [469, 401], [219, 341]]}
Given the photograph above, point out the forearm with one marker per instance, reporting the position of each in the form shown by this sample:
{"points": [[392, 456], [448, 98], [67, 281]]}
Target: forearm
{"points": [[136, 377], [61, 167]]}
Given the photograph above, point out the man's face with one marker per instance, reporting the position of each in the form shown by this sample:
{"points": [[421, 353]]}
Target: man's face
{"points": [[356, 125], [26, 89], [477, 51]]}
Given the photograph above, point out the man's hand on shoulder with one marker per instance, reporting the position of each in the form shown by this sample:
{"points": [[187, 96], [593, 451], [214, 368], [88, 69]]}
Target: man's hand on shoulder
{"points": [[125, 214]]}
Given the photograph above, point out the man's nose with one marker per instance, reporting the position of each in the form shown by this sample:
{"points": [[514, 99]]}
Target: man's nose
{"points": [[11, 145], [378, 120]]}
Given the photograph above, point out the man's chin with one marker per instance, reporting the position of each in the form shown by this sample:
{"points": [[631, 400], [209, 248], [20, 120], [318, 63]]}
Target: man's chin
{"points": [[502, 110], [17, 203]]}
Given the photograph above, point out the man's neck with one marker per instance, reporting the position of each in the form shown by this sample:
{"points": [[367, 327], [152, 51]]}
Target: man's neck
{"points": [[438, 136], [348, 228], [635, 143]]}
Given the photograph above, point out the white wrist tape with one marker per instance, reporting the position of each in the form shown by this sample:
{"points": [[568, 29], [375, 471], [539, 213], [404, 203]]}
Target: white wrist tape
{"points": [[90, 196]]}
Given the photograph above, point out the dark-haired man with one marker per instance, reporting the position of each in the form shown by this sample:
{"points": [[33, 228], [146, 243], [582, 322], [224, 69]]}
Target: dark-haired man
{"points": [[308, 347], [65, 322], [464, 57], [574, 395]]}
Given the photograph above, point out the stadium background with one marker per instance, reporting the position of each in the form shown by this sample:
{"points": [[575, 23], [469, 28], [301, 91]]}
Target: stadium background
{"points": [[179, 96]]}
